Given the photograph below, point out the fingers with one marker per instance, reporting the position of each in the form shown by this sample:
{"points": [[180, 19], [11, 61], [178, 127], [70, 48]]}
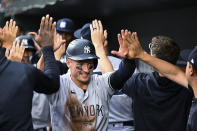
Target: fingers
{"points": [[50, 23], [105, 34], [120, 40], [34, 34], [37, 46], [95, 25], [7, 52], [117, 53], [17, 51], [47, 31], [21, 50], [91, 28], [100, 26], [42, 24], [54, 27]]}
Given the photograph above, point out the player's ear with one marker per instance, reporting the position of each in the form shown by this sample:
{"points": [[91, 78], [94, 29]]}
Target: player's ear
{"points": [[68, 62]]}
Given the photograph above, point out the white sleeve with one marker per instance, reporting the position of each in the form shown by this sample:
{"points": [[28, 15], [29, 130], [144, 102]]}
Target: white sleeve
{"points": [[58, 97]]}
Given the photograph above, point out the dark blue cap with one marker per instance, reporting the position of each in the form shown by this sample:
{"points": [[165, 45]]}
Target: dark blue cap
{"points": [[190, 56], [28, 41], [65, 25], [192, 59], [84, 32]]}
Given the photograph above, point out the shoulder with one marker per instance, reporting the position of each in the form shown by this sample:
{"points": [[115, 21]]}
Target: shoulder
{"points": [[139, 77]]}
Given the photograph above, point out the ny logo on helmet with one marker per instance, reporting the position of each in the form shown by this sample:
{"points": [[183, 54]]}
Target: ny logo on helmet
{"points": [[25, 42], [86, 49]]}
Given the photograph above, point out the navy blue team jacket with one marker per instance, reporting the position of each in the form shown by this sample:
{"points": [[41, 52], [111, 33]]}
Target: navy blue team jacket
{"points": [[158, 103], [17, 83]]}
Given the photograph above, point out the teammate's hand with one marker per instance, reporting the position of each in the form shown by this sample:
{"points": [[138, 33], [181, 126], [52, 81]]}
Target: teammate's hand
{"points": [[46, 32], [35, 36], [123, 49], [8, 33], [97, 34], [129, 45], [58, 41], [16, 52], [135, 49]]}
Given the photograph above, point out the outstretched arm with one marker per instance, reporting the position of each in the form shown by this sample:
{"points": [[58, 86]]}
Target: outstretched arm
{"points": [[169, 70], [126, 67], [49, 81], [97, 36]]}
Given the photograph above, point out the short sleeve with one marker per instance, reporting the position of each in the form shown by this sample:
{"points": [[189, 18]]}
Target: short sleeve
{"points": [[103, 85]]}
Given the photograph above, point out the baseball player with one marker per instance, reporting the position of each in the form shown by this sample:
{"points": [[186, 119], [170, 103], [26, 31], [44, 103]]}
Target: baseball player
{"points": [[120, 106], [19, 80], [82, 101], [65, 27]]}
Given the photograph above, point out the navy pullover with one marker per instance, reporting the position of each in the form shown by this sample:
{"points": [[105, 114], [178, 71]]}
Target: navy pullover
{"points": [[17, 83]]}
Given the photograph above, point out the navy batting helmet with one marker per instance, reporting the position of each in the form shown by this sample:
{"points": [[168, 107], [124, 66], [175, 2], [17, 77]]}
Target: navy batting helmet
{"points": [[81, 49], [28, 41]]}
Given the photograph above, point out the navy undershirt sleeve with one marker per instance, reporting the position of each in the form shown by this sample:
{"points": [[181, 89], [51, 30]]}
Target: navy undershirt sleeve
{"points": [[119, 77], [47, 82]]}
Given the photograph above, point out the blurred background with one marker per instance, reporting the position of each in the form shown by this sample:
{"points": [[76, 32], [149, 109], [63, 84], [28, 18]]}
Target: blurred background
{"points": [[174, 18]]}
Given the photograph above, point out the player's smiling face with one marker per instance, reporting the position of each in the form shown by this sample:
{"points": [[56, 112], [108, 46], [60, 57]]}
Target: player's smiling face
{"points": [[81, 70]]}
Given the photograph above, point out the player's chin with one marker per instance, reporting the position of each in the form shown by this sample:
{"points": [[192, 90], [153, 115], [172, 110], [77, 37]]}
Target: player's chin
{"points": [[85, 79]]}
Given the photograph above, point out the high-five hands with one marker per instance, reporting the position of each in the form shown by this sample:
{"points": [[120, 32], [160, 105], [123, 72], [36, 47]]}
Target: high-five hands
{"points": [[130, 47], [46, 32]]}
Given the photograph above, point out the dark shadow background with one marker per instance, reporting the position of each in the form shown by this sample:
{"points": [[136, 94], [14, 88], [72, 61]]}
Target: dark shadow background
{"points": [[174, 18]]}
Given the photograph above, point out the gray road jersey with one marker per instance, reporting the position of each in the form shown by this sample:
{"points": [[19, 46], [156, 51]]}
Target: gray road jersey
{"points": [[94, 104], [120, 108], [40, 111]]}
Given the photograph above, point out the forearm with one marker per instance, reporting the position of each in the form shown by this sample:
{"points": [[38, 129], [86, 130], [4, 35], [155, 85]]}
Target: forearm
{"points": [[40, 64], [51, 68], [103, 61], [57, 56], [125, 71], [167, 69]]}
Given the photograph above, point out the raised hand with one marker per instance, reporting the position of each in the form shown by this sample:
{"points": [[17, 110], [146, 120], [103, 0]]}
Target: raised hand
{"points": [[16, 53], [98, 37], [97, 34], [35, 36], [46, 32], [8, 33], [58, 41], [129, 45], [123, 49], [135, 49]]}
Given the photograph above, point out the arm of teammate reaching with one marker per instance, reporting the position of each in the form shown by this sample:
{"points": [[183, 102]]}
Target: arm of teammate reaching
{"points": [[126, 67], [168, 70], [49, 81], [97, 36]]}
